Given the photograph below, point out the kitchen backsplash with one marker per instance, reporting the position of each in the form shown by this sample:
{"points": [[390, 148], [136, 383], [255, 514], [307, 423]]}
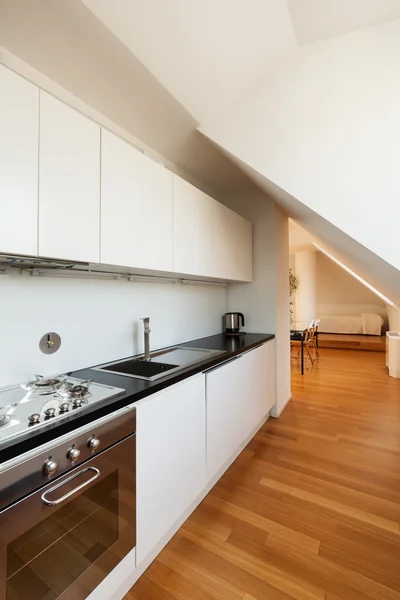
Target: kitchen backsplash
{"points": [[98, 320]]}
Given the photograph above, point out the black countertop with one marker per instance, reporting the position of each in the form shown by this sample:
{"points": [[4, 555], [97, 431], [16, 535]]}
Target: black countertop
{"points": [[135, 389]]}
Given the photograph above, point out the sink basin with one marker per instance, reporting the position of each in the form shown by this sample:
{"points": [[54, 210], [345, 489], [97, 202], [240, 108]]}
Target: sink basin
{"points": [[142, 369], [162, 363]]}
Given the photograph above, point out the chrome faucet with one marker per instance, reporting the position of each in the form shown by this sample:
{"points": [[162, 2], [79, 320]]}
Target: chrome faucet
{"points": [[147, 330]]}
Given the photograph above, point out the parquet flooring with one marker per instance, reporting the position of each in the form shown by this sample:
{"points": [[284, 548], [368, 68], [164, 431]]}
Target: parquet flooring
{"points": [[311, 508]]}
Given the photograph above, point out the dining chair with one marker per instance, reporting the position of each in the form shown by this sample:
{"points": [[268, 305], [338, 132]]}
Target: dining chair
{"points": [[314, 335], [308, 336]]}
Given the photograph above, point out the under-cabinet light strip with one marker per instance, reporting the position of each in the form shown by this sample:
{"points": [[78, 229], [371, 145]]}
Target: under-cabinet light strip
{"points": [[106, 275], [360, 279]]}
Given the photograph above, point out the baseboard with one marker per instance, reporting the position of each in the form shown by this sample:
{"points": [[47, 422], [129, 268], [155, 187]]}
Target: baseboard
{"points": [[275, 413], [116, 585]]}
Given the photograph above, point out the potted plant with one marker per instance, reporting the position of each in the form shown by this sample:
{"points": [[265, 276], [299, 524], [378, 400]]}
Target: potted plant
{"points": [[293, 284]]}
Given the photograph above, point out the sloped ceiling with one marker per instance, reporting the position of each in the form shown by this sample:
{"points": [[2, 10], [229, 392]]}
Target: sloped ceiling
{"points": [[158, 68], [205, 52], [319, 19]]}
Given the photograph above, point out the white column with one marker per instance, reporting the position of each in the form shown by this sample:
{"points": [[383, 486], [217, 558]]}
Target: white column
{"points": [[306, 295], [265, 301]]}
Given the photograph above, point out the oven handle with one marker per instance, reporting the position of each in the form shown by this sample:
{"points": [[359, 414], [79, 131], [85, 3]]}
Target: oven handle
{"points": [[80, 487]]}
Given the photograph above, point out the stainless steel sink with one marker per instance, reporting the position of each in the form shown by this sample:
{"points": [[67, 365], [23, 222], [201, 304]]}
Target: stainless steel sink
{"points": [[162, 363]]}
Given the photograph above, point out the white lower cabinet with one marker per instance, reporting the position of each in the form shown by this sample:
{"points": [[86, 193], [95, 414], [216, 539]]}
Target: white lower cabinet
{"points": [[224, 397], [259, 367], [239, 395], [170, 459]]}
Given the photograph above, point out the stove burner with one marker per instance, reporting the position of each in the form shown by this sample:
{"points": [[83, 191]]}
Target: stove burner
{"points": [[56, 383], [4, 420], [41, 385], [79, 390]]}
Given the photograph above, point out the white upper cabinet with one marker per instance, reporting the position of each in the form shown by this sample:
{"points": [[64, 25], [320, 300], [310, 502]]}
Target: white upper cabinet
{"points": [[74, 191], [210, 240], [158, 216], [121, 202], [19, 135], [69, 183], [193, 212]]}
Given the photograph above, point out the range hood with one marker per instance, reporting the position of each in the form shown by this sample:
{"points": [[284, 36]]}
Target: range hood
{"points": [[37, 262]]}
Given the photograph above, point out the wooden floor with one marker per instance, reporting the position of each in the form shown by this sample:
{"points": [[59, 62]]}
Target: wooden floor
{"points": [[310, 509], [376, 343]]}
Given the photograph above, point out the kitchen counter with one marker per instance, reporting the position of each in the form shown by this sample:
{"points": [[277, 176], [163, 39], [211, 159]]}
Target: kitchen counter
{"points": [[137, 389]]}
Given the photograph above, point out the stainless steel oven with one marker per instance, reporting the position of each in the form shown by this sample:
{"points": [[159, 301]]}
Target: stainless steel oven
{"points": [[68, 512]]}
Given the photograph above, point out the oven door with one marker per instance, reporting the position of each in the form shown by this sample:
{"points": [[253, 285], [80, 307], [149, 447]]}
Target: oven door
{"points": [[61, 541]]}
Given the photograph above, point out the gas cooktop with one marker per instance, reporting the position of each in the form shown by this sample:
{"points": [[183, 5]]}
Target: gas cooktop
{"points": [[42, 402]]}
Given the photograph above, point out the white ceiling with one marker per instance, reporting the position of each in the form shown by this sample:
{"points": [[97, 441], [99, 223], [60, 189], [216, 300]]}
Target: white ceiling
{"points": [[318, 19], [204, 52], [207, 52]]}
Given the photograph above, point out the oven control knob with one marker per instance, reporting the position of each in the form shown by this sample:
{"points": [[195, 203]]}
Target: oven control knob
{"points": [[93, 443], [64, 407], [73, 453], [35, 418], [50, 466], [50, 412]]}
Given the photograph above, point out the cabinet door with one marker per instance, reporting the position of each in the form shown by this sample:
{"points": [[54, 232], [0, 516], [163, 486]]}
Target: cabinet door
{"points": [[170, 460], [121, 202], [259, 377], [19, 137], [158, 217], [192, 221], [69, 183], [225, 396]]}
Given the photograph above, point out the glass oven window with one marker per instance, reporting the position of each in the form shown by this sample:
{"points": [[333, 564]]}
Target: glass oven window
{"points": [[44, 561]]}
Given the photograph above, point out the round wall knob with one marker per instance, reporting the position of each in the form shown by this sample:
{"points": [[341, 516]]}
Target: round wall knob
{"points": [[73, 453], [50, 466], [50, 412], [93, 443], [35, 418]]}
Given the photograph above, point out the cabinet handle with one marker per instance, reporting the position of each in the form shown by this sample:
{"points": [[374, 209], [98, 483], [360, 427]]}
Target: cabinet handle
{"points": [[80, 487], [226, 362]]}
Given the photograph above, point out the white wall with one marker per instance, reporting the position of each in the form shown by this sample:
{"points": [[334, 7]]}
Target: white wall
{"points": [[98, 321], [306, 294], [394, 318], [325, 127], [339, 293], [265, 301]]}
